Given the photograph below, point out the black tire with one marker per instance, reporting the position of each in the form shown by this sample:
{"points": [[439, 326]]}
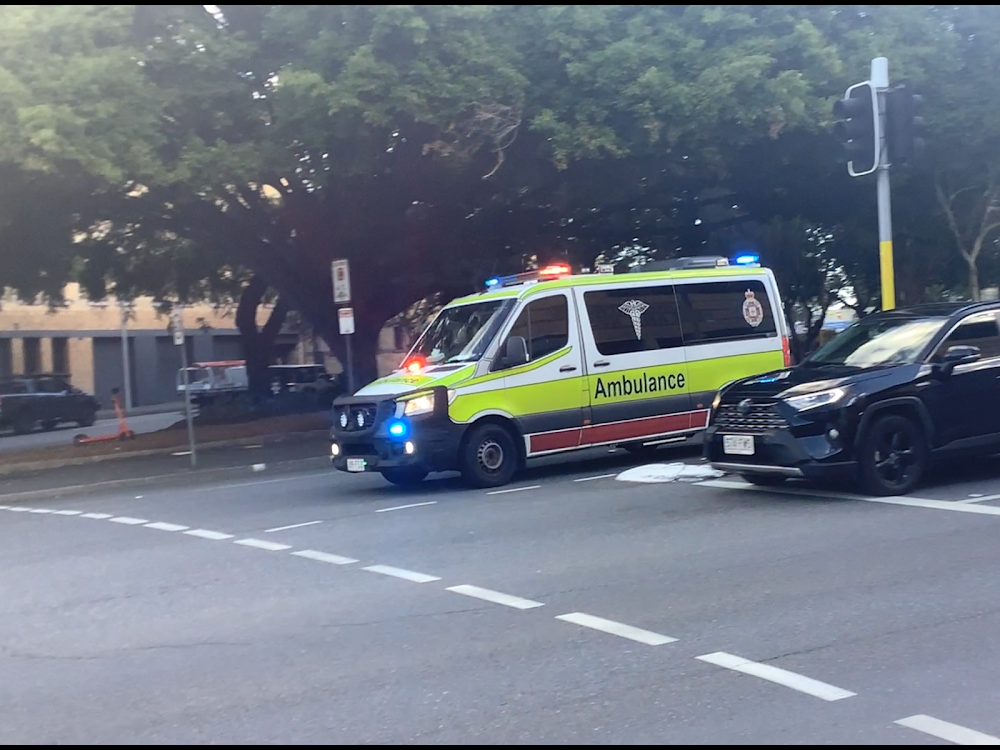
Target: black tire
{"points": [[50, 424], [23, 423], [489, 456], [893, 456], [87, 421], [404, 477], [765, 480]]}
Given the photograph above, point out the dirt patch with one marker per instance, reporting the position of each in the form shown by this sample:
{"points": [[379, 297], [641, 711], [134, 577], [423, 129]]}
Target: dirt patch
{"points": [[174, 436]]}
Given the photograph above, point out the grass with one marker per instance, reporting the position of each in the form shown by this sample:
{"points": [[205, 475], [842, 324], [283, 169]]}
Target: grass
{"points": [[174, 436]]}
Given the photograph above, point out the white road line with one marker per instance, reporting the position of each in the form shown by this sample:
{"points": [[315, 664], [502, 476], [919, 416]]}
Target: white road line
{"points": [[406, 575], [617, 628], [515, 489], [42, 510], [98, 516], [4, 507], [980, 499], [129, 521], [68, 512], [945, 730], [159, 525], [22, 509], [495, 596], [778, 676], [293, 526], [591, 479], [206, 534], [311, 554], [404, 507], [261, 544], [920, 502]]}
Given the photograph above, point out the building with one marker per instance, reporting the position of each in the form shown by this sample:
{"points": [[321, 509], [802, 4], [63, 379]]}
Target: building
{"points": [[84, 340]]}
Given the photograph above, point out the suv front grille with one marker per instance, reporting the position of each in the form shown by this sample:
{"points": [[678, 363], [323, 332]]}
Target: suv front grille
{"points": [[356, 418], [759, 418]]}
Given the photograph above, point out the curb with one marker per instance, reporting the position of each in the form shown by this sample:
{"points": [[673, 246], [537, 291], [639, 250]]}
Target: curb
{"points": [[8, 469]]}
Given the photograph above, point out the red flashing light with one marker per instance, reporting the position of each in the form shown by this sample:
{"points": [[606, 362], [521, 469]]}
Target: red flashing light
{"points": [[555, 269], [413, 366]]}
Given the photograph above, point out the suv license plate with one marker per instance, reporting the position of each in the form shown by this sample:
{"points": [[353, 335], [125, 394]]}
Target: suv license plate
{"points": [[738, 445], [355, 464]]}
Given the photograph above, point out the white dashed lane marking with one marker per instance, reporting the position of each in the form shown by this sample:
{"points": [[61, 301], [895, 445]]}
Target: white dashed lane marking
{"points": [[42, 510], [495, 597], [293, 526], [404, 507], [207, 534], [515, 489], [945, 730], [68, 513], [129, 521], [617, 628], [98, 516], [160, 526], [326, 557], [591, 479], [261, 544], [792, 680], [406, 575], [22, 509]]}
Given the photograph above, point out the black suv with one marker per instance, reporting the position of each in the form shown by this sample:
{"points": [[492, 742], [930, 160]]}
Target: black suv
{"points": [[876, 403], [45, 399]]}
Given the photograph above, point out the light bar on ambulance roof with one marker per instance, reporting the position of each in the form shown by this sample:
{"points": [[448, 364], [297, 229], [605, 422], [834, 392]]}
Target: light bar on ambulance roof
{"points": [[747, 259], [546, 273]]}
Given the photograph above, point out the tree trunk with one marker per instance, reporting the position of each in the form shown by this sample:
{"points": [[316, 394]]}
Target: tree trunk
{"points": [[258, 344], [973, 278]]}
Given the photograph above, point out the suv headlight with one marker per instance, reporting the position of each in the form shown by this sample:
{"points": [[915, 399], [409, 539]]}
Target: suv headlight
{"points": [[813, 400], [419, 405]]}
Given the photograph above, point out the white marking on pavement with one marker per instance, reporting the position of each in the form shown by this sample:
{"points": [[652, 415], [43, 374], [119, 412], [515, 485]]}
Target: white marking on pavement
{"points": [[4, 507], [406, 575], [22, 509], [311, 554], [129, 521], [495, 596], [206, 534], [600, 476], [293, 526], [515, 489], [98, 516], [776, 675], [980, 499], [617, 628], [945, 730], [42, 510], [159, 525], [404, 507], [68, 513], [261, 544], [919, 502]]}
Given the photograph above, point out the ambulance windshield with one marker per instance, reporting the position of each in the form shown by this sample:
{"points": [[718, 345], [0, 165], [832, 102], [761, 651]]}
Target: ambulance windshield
{"points": [[462, 333]]}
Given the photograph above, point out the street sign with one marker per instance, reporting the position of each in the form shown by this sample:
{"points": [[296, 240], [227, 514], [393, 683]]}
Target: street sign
{"points": [[341, 282], [177, 326], [345, 317]]}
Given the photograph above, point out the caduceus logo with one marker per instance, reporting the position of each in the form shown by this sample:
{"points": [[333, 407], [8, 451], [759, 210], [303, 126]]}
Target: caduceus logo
{"points": [[634, 309]]}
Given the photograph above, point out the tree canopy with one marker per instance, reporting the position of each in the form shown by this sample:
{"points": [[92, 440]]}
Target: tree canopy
{"points": [[182, 151]]}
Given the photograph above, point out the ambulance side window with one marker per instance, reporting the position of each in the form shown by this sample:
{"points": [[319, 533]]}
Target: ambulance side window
{"points": [[725, 311], [544, 325], [637, 319]]}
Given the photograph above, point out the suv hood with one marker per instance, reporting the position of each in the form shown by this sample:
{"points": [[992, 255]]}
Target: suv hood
{"points": [[800, 380], [401, 381]]}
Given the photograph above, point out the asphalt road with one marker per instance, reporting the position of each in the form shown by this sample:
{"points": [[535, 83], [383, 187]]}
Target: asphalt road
{"points": [[296, 606], [64, 434]]}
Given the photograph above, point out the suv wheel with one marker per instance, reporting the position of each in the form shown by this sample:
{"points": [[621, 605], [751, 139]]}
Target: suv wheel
{"points": [[404, 477], [893, 456], [489, 456]]}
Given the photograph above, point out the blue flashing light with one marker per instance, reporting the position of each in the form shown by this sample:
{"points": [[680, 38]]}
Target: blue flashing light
{"points": [[492, 282], [747, 259], [398, 429]]}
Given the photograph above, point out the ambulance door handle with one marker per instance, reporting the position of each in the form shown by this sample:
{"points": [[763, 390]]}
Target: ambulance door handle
{"points": [[567, 368], [601, 363]]}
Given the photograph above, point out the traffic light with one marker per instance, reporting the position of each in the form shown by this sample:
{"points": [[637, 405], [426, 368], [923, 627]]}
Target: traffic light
{"points": [[858, 128], [905, 125]]}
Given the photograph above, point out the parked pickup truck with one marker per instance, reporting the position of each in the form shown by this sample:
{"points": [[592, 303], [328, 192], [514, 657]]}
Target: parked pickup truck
{"points": [[47, 400]]}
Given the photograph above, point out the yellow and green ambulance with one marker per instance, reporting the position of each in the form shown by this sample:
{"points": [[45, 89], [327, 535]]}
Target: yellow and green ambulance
{"points": [[548, 362]]}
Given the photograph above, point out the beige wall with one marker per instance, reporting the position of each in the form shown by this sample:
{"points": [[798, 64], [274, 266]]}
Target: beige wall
{"points": [[81, 362]]}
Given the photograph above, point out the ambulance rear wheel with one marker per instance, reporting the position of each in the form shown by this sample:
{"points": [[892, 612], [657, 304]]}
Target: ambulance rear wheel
{"points": [[489, 456]]}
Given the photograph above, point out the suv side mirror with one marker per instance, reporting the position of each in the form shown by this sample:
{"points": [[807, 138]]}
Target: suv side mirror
{"points": [[959, 355], [516, 353]]}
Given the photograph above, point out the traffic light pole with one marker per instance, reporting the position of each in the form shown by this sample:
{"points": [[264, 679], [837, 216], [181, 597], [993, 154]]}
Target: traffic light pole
{"points": [[887, 273]]}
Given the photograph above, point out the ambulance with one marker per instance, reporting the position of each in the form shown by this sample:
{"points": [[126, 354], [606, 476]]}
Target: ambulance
{"points": [[548, 362]]}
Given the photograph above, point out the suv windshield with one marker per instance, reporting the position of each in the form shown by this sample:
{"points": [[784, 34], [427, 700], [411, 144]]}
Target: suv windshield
{"points": [[878, 341], [461, 334]]}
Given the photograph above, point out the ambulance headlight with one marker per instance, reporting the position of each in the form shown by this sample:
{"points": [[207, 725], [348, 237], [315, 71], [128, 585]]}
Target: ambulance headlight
{"points": [[420, 405]]}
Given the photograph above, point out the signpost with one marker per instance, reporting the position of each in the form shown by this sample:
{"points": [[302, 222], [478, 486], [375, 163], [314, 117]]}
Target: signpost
{"points": [[177, 327], [345, 315]]}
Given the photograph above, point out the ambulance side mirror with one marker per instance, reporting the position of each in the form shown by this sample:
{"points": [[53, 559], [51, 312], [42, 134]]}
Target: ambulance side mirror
{"points": [[516, 353]]}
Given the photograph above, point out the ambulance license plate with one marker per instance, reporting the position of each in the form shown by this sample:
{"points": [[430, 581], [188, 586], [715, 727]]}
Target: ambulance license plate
{"points": [[358, 464], [738, 445]]}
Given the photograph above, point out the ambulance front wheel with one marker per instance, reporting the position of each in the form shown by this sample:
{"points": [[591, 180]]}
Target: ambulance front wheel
{"points": [[489, 456]]}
